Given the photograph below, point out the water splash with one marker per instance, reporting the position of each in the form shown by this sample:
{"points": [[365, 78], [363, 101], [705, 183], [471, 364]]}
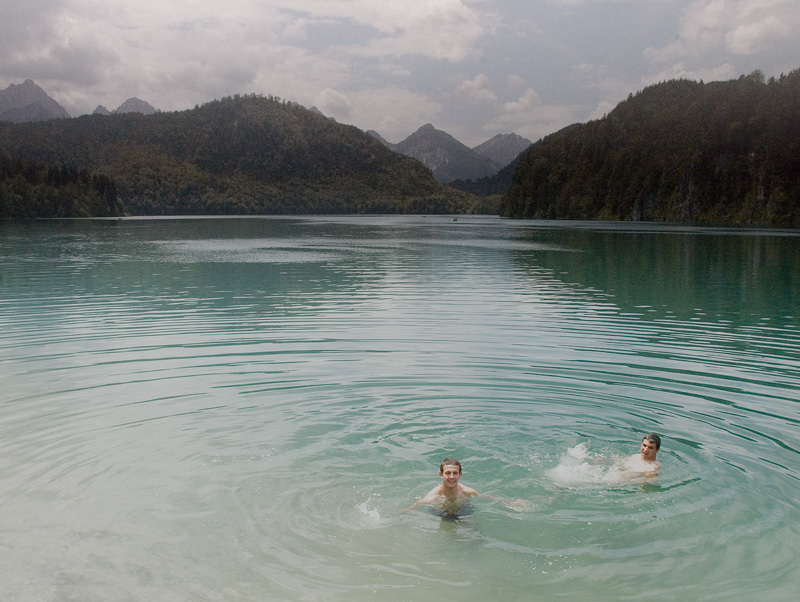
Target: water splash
{"points": [[580, 468], [369, 515]]}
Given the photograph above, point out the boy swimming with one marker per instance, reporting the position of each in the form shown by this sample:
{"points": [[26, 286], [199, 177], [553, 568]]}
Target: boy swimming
{"points": [[644, 464], [452, 499]]}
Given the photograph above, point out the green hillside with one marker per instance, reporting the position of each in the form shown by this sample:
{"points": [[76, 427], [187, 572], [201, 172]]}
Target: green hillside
{"points": [[29, 189], [240, 155], [682, 151]]}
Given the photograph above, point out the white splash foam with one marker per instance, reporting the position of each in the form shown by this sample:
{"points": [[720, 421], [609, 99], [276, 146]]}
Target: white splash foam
{"points": [[578, 468], [580, 451], [369, 515]]}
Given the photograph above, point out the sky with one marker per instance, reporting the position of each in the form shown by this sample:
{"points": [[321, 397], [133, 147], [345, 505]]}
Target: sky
{"points": [[473, 68]]}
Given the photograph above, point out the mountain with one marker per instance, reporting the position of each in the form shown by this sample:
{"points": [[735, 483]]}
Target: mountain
{"points": [[445, 156], [20, 103], [381, 139], [450, 161], [499, 183], [240, 155], [132, 105], [135, 105], [681, 151], [503, 148]]}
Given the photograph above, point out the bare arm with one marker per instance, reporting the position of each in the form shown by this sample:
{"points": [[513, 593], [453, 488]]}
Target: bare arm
{"points": [[426, 499], [516, 505]]}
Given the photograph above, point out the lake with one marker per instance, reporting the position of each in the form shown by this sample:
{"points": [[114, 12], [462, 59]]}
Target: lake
{"points": [[229, 409]]}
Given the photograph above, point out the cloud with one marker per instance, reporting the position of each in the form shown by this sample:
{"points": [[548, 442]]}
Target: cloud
{"points": [[296, 30], [392, 111], [476, 90], [749, 38], [524, 103], [291, 48], [515, 82], [539, 122], [23, 22], [392, 66], [437, 29], [333, 102], [722, 72], [741, 27], [530, 117], [170, 56]]}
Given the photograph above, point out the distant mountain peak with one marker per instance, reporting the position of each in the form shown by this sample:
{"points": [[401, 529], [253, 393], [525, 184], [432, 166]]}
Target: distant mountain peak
{"points": [[132, 105], [427, 134], [247, 155], [445, 156], [136, 105], [503, 148], [28, 102]]}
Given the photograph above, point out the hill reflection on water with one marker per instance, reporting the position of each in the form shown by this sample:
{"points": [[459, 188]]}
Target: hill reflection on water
{"points": [[734, 276]]}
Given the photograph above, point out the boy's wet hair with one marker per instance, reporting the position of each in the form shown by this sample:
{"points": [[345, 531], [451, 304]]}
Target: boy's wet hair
{"points": [[654, 439], [450, 462]]}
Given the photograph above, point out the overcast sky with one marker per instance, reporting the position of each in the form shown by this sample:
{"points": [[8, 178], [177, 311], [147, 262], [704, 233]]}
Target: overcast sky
{"points": [[473, 68]]}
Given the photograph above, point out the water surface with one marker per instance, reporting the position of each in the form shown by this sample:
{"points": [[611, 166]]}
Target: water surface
{"points": [[238, 409]]}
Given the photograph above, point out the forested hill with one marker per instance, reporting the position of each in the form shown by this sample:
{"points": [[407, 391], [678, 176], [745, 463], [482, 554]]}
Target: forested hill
{"points": [[722, 152], [240, 155]]}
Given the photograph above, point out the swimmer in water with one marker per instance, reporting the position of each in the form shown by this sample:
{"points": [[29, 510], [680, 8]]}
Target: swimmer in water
{"points": [[643, 464], [451, 498]]}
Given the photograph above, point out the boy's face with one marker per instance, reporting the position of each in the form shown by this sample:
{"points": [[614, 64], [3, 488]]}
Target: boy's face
{"points": [[649, 450], [450, 475]]}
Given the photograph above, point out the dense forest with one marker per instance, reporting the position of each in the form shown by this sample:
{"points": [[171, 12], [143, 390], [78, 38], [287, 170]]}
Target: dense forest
{"points": [[240, 155], [683, 151], [29, 189]]}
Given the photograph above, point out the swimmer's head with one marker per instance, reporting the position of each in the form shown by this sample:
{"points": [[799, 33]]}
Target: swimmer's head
{"points": [[449, 462], [654, 439], [650, 445]]}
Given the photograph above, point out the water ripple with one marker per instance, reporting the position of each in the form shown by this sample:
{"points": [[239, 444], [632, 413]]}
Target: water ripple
{"points": [[224, 413]]}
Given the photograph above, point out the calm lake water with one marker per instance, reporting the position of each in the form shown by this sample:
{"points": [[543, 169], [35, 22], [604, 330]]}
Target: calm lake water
{"points": [[238, 409]]}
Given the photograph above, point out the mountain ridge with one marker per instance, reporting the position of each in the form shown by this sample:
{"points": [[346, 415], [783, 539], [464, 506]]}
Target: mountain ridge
{"points": [[447, 158], [452, 161], [28, 102], [20, 103], [132, 105], [502, 149], [238, 155], [679, 151]]}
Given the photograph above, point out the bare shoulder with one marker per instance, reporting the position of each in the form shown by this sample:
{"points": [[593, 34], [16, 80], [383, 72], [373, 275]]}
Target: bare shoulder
{"points": [[653, 466], [432, 494], [467, 490]]}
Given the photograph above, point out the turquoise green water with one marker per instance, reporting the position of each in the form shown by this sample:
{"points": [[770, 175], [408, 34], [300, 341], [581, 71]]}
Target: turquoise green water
{"points": [[238, 409]]}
